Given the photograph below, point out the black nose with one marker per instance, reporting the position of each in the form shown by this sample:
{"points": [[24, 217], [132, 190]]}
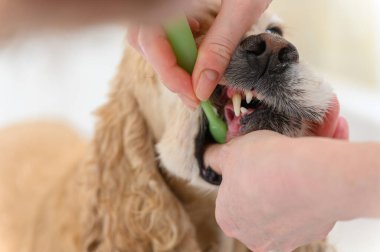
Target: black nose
{"points": [[267, 51]]}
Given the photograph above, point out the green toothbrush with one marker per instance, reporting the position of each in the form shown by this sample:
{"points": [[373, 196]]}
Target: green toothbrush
{"points": [[185, 49]]}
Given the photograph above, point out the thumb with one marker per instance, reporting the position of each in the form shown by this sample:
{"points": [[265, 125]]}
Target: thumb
{"points": [[212, 158], [232, 22]]}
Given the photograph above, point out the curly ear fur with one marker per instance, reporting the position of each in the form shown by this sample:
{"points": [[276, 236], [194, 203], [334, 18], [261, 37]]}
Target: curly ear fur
{"points": [[131, 207]]}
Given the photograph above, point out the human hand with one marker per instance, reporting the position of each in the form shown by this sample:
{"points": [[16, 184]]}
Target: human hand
{"points": [[215, 51], [279, 193], [20, 16]]}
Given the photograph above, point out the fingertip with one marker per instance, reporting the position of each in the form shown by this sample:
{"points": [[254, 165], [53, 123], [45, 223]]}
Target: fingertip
{"points": [[342, 130], [211, 158], [206, 84], [328, 127], [178, 81], [334, 107], [132, 37], [190, 103]]}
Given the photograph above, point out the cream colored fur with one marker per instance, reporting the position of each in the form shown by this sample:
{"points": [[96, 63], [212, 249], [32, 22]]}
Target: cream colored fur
{"points": [[135, 187]]}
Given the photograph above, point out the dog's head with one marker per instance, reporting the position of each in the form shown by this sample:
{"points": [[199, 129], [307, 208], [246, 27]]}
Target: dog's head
{"points": [[265, 86], [130, 204]]}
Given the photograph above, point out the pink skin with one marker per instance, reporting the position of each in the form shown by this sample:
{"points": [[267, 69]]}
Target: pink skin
{"points": [[277, 193], [214, 54], [261, 205], [249, 199], [284, 194], [152, 43], [234, 19], [18, 16]]}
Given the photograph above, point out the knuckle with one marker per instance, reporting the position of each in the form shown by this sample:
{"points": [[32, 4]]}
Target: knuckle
{"points": [[149, 36], [131, 38], [172, 82], [223, 224], [254, 248], [263, 243], [290, 246], [221, 51], [133, 42], [167, 81], [218, 215], [321, 236], [259, 248], [226, 152], [221, 47], [263, 249], [145, 40], [141, 40]]}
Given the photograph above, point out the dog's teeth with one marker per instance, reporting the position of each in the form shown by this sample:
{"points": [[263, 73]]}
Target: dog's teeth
{"points": [[248, 96], [236, 101], [243, 110]]}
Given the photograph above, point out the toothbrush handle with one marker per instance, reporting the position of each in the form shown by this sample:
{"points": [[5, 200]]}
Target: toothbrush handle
{"points": [[182, 41]]}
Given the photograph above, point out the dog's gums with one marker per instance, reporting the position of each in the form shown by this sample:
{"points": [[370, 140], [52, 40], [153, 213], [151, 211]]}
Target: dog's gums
{"points": [[238, 106]]}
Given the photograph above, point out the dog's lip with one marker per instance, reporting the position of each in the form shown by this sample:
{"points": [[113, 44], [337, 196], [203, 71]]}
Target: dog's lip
{"points": [[232, 121], [227, 107]]}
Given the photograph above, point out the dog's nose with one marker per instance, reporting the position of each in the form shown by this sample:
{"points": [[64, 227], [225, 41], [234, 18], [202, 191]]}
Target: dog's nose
{"points": [[266, 51]]}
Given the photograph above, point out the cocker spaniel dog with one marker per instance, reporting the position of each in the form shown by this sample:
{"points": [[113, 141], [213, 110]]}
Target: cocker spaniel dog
{"points": [[141, 184]]}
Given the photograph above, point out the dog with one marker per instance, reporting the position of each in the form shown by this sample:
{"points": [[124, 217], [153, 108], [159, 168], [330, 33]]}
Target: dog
{"points": [[141, 184]]}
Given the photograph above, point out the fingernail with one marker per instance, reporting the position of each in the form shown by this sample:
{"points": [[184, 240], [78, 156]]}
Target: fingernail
{"points": [[206, 84]]}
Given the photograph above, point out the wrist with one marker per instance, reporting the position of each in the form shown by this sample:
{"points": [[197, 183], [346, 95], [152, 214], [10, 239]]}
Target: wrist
{"points": [[364, 179], [349, 176]]}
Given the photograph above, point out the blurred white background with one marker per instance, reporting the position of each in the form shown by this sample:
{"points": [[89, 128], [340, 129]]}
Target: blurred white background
{"points": [[65, 76], [62, 76]]}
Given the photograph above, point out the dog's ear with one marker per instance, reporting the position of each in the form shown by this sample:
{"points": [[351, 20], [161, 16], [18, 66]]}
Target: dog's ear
{"points": [[130, 207]]}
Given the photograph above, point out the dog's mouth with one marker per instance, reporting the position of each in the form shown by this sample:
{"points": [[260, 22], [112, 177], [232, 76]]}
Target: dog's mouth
{"points": [[234, 106], [259, 71]]}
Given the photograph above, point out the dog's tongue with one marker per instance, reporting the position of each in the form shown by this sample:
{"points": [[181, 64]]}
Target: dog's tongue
{"points": [[233, 122]]}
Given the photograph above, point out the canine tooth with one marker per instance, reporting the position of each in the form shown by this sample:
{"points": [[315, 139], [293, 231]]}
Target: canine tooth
{"points": [[243, 110], [236, 100], [248, 96]]}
